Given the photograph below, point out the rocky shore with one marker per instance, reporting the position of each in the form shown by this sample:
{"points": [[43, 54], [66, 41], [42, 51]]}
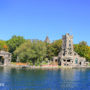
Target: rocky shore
{"points": [[43, 66]]}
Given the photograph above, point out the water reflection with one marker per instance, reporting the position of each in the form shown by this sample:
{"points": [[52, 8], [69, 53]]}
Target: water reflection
{"points": [[75, 78], [45, 79]]}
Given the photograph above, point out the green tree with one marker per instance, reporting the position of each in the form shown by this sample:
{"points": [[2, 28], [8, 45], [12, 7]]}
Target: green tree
{"points": [[54, 48], [31, 51], [83, 50], [15, 42]]}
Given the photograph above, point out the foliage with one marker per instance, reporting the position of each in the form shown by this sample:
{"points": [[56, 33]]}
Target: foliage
{"points": [[83, 43], [54, 48], [31, 51], [37, 52], [3, 45], [15, 42], [83, 50]]}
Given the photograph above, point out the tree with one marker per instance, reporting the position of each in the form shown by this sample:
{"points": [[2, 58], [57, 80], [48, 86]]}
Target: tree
{"points": [[54, 48], [83, 43], [83, 50], [15, 42], [3, 45], [31, 51]]}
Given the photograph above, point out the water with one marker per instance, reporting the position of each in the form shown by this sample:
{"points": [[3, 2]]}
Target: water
{"points": [[38, 79]]}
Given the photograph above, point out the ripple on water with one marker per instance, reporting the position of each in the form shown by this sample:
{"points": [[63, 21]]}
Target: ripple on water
{"points": [[56, 79]]}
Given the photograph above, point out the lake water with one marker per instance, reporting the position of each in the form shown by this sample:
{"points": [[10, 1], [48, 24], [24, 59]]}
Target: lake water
{"points": [[38, 79]]}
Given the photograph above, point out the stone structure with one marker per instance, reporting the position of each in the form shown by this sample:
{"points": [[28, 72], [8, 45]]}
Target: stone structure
{"points": [[68, 57], [5, 58], [47, 40]]}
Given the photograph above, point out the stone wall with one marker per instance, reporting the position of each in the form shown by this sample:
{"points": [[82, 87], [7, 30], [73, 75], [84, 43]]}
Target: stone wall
{"points": [[6, 57]]}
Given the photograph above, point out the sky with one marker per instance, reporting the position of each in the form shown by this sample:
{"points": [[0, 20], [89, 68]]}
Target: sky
{"points": [[36, 19]]}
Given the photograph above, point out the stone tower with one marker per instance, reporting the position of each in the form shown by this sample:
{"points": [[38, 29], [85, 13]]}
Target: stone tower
{"points": [[68, 57], [67, 45], [47, 40]]}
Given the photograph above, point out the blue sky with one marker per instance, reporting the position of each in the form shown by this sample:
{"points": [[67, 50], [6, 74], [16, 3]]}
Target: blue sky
{"points": [[35, 19]]}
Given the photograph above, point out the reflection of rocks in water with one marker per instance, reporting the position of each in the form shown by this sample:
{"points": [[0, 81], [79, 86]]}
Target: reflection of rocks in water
{"points": [[6, 73], [5, 76], [71, 78], [71, 74], [67, 74]]}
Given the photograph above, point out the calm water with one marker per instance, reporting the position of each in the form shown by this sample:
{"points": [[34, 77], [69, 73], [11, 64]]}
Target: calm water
{"points": [[61, 79]]}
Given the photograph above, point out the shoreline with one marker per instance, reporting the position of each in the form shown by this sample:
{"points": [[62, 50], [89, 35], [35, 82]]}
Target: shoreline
{"points": [[46, 67]]}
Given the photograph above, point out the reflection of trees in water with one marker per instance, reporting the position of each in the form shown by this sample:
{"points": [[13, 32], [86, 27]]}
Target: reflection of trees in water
{"points": [[28, 77]]}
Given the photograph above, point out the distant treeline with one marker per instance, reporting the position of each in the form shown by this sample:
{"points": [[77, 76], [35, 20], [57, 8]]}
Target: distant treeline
{"points": [[37, 51]]}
